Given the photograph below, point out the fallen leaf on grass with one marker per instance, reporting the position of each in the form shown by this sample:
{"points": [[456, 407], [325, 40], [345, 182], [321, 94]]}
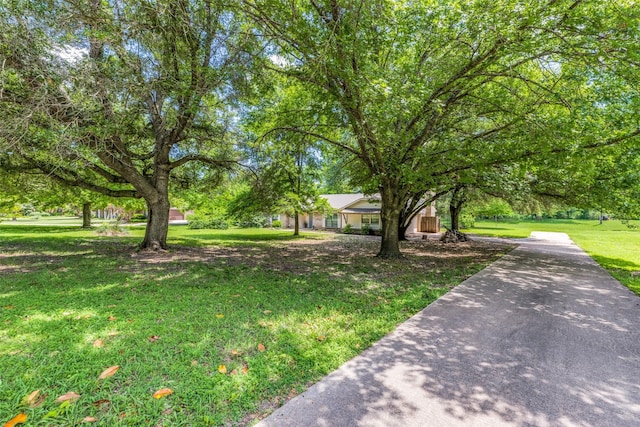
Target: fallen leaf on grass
{"points": [[167, 411], [261, 347], [18, 419], [154, 338], [109, 372], [71, 396], [112, 318], [101, 402], [162, 393], [245, 369], [222, 369], [194, 363], [321, 338], [34, 400], [219, 315], [267, 312], [97, 344], [235, 352], [9, 306], [89, 419]]}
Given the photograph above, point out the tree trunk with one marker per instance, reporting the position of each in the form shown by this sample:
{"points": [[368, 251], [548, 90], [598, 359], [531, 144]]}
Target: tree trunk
{"points": [[86, 215], [296, 224], [454, 210], [390, 218], [155, 236], [455, 207], [402, 230]]}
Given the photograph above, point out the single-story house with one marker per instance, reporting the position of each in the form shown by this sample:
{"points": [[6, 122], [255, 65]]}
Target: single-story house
{"points": [[356, 210]]}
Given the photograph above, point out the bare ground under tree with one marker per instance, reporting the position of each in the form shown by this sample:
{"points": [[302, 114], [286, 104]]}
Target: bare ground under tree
{"points": [[338, 256]]}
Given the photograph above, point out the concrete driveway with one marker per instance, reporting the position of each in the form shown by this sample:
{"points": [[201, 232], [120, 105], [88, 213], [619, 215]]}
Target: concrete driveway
{"points": [[543, 337]]}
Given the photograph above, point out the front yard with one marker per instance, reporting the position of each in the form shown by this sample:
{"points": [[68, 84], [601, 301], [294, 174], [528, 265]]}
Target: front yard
{"points": [[233, 322]]}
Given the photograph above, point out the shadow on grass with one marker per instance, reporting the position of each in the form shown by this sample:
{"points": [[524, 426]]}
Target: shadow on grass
{"points": [[200, 239], [71, 307], [616, 263], [526, 339], [496, 232], [39, 229]]}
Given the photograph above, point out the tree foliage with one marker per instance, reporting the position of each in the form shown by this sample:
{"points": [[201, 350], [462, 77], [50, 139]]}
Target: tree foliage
{"points": [[113, 97], [419, 91]]}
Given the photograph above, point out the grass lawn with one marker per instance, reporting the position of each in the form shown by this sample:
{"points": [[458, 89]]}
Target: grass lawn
{"points": [[612, 244], [233, 322]]}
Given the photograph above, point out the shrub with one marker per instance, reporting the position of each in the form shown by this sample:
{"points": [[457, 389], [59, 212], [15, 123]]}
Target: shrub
{"points": [[467, 220], [113, 228], [347, 229], [138, 218], [197, 222], [257, 221], [276, 224], [365, 230]]}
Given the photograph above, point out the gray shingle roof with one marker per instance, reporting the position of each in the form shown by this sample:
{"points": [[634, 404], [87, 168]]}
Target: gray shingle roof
{"points": [[341, 201]]}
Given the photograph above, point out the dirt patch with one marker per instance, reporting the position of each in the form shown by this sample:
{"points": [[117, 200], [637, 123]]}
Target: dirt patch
{"points": [[337, 256]]}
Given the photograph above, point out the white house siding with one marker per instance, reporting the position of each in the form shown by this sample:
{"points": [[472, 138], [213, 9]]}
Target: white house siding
{"points": [[354, 220]]}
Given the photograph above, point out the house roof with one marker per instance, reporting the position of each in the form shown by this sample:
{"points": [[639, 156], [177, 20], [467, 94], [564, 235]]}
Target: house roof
{"points": [[360, 210], [341, 201]]}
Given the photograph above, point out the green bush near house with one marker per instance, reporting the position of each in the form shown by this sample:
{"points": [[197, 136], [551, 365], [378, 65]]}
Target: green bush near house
{"points": [[138, 218], [198, 222], [256, 221], [276, 224]]}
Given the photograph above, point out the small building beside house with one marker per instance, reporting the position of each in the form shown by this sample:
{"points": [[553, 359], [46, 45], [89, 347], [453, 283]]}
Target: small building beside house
{"points": [[358, 211], [176, 214]]}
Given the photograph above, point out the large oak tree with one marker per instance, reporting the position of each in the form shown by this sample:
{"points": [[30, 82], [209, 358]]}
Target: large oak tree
{"points": [[114, 96], [419, 91]]}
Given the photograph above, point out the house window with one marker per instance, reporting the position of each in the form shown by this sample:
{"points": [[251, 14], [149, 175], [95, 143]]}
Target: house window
{"points": [[331, 221], [372, 220]]}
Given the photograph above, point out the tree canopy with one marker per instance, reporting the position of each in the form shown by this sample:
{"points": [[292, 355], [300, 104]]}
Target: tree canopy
{"points": [[114, 96], [124, 97], [418, 91]]}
